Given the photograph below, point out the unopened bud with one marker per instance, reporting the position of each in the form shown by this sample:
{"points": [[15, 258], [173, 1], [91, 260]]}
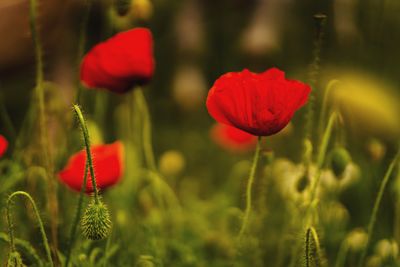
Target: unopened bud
{"points": [[96, 223], [339, 161], [387, 249], [357, 239]]}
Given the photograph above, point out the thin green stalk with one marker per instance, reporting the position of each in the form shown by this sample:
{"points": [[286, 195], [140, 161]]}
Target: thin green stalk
{"points": [[324, 108], [77, 217], [313, 72], [82, 44], [322, 155], [106, 250], [36, 41], [86, 139], [170, 194], [375, 209], [41, 227], [396, 224], [51, 190], [249, 187], [342, 254], [146, 135]]}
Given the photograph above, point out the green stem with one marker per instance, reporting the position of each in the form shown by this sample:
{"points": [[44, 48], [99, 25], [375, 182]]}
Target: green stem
{"points": [[36, 41], [41, 227], [313, 72], [342, 254], [86, 139], [165, 187], [322, 155], [375, 209], [82, 44], [324, 108], [51, 190], [147, 135], [77, 217], [249, 187]]}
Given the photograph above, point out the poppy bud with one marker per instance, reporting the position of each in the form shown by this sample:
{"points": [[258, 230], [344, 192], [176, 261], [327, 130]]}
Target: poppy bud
{"points": [[122, 6], [96, 223], [357, 239], [15, 260], [376, 149], [387, 249], [172, 162], [340, 158], [142, 9]]}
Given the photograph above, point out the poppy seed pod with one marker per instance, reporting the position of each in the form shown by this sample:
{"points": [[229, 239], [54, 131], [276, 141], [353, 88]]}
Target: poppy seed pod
{"points": [[340, 158], [96, 223]]}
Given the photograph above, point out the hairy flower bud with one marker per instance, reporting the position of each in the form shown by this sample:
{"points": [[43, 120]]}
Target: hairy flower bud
{"points": [[96, 223]]}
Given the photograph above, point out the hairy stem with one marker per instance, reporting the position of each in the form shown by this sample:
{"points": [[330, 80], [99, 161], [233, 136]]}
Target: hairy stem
{"points": [[249, 189], [313, 255], [41, 226], [313, 72], [51, 186], [81, 44], [86, 139], [77, 217], [375, 209]]}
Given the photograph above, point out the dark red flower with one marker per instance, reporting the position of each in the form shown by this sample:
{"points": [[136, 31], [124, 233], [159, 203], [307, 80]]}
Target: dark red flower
{"points": [[3, 145], [108, 167], [233, 139], [120, 62], [260, 104]]}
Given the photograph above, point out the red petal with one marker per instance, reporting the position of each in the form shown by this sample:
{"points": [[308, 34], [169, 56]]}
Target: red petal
{"points": [[120, 62], [260, 104], [3, 145], [108, 167], [232, 139]]}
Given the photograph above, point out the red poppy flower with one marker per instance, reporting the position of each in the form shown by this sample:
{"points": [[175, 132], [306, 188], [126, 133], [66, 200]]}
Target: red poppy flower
{"points": [[120, 62], [108, 167], [232, 139], [260, 104], [3, 145]]}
